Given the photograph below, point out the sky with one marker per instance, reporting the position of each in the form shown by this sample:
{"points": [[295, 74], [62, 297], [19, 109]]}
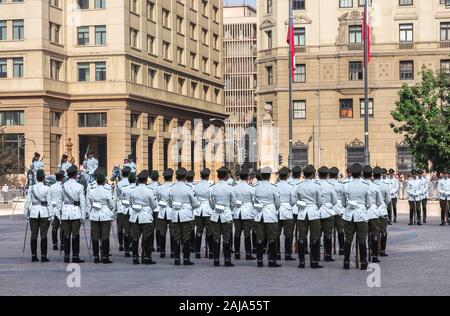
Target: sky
{"points": [[250, 2]]}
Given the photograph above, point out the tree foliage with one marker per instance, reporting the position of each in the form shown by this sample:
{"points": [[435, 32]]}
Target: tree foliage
{"points": [[422, 116], [8, 158]]}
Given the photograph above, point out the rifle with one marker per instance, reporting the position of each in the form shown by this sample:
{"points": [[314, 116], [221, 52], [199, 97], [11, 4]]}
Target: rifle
{"points": [[26, 232], [85, 237], [357, 254], [334, 239]]}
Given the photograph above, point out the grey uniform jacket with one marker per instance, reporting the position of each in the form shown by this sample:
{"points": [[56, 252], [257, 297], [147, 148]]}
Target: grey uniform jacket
{"points": [[329, 199], [100, 205], [73, 192], [55, 194], [222, 200], [385, 197], [126, 194], [202, 190], [377, 199], [121, 207], [338, 189], [414, 188], [183, 201], [444, 188], [357, 200], [91, 165], [142, 203], [245, 195], [309, 199], [267, 202], [35, 201], [287, 200], [162, 195]]}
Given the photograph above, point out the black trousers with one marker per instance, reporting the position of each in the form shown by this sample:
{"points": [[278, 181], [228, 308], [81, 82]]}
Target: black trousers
{"points": [[444, 204], [414, 207], [393, 208]]}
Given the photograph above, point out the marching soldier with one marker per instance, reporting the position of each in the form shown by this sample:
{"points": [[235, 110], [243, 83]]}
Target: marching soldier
{"points": [[424, 195], [414, 189], [394, 186], [130, 164], [308, 195], [244, 215], [122, 209], [182, 201], [339, 209], [56, 202], [373, 215], [296, 179], [222, 201], [444, 196], [165, 213], [72, 215], [142, 202], [101, 210], [285, 214], [266, 203], [123, 213], [39, 215], [203, 214], [154, 176], [90, 163], [190, 175], [327, 211], [356, 200], [64, 164], [382, 209]]}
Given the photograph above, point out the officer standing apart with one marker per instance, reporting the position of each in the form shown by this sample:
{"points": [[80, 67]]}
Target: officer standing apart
{"points": [[444, 196], [356, 200], [222, 201], [203, 214], [394, 186], [72, 215], [414, 190], [266, 203], [424, 196], [244, 215], [309, 200], [165, 213], [182, 201], [122, 209], [101, 209], [142, 202], [286, 216], [39, 215], [339, 209], [56, 201]]}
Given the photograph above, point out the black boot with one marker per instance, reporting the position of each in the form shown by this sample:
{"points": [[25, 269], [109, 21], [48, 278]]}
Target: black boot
{"points": [[254, 242], [363, 254], [95, 250], [76, 249], [126, 244], [278, 248], [162, 245], [158, 241], [259, 253], [187, 253], [66, 249], [301, 253], [288, 249], [374, 247], [341, 239], [237, 247], [227, 253], [315, 254], [147, 245], [198, 246], [306, 247], [55, 239], [44, 250], [121, 238], [192, 241], [210, 247], [34, 257], [328, 243], [105, 251], [135, 250], [383, 244], [216, 253], [152, 241], [347, 251], [248, 248], [172, 247], [177, 252], [272, 248]]}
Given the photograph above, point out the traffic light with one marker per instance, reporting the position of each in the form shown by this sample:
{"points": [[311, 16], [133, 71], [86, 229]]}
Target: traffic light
{"points": [[280, 159]]}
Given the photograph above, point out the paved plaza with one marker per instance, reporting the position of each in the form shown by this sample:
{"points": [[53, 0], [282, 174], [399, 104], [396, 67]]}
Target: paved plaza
{"points": [[418, 263]]}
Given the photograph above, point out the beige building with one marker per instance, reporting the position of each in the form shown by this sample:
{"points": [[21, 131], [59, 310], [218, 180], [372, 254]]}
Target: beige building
{"points": [[239, 47], [328, 88], [122, 77]]}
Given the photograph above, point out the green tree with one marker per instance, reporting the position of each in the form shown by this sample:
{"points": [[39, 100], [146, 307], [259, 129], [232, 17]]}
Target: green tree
{"points": [[8, 162], [422, 116]]}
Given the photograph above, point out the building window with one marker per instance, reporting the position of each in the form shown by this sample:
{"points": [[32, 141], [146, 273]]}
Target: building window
{"points": [[345, 3], [215, 41], [355, 152], [269, 39], [150, 11], [18, 67], [355, 70], [150, 44], [167, 82], [150, 123], [362, 107], [194, 60], [166, 50], [12, 118], [406, 70], [166, 18], [54, 30], [298, 4], [134, 72], [180, 56], [445, 66], [55, 68], [12, 143], [166, 124], [92, 119], [134, 6], [100, 35], [300, 154], [205, 92], [269, 75], [55, 118], [18, 29], [300, 73], [83, 35], [194, 89], [3, 68], [299, 109], [54, 3], [205, 8], [83, 4], [215, 14], [216, 69], [406, 33], [134, 38], [216, 95], [205, 65], [83, 71], [100, 71], [180, 25], [445, 31], [405, 2], [181, 82], [205, 39], [355, 34], [134, 120], [3, 31], [269, 6], [299, 36], [152, 77], [346, 108], [362, 3], [100, 4], [193, 31], [405, 160]]}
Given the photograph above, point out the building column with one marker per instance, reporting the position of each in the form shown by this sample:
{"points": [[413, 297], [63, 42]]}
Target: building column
{"points": [[158, 145]]}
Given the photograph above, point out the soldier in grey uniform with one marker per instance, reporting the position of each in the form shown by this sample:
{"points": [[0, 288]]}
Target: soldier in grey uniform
{"points": [[295, 180], [394, 186], [339, 209], [266, 203], [356, 200], [424, 197], [36, 163], [255, 177], [327, 211], [182, 201], [64, 164], [101, 210], [90, 164], [72, 215], [222, 201], [444, 195], [414, 190], [130, 164], [190, 175], [154, 176], [285, 213], [142, 203], [309, 200], [39, 215], [382, 209], [373, 215], [122, 210], [56, 201], [203, 214], [244, 215], [165, 213]]}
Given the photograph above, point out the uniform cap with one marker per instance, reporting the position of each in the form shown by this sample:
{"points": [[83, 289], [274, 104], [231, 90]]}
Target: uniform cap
{"points": [[284, 171], [101, 178], [60, 173], [190, 174], [36, 154], [181, 172], [244, 171], [296, 169], [168, 172], [205, 172], [384, 170], [72, 169], [356, 168], [309, 169], [334, 171], [266, 170], [40, 173], [131, 177], [391, 170], [367, 169], [154, 174], [126, 169], [143, 175], [414, 171], [377, 171], [324, 170]]}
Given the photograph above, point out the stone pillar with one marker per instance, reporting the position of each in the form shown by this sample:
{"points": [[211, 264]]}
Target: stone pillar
{"points": [[158, 145]]}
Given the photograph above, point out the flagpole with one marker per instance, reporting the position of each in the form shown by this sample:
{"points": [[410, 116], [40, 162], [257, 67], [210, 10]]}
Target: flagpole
{"points": [[366, 83], [290, 158]]}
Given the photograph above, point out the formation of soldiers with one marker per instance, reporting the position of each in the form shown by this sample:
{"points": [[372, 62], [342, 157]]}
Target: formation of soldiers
{"points": [[307, 206]]}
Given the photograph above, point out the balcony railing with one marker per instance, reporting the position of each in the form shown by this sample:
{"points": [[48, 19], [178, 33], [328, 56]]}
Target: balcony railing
{"points": [[445, 44], [406, 46], [355, 47], [300, 49]]}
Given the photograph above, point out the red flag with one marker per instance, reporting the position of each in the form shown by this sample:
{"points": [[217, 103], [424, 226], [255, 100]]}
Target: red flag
{"points": [[366, 30], [290, 39]]}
